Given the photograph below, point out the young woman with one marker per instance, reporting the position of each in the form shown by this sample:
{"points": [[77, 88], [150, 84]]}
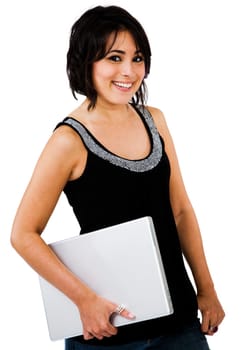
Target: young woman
{"points": [[115, 160]]}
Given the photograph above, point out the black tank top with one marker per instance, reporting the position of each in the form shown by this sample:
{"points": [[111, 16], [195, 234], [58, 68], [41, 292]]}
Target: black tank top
{"points": [[112, 190]]}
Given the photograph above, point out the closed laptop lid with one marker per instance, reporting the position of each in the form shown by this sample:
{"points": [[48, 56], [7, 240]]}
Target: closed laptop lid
{"points": [[121, 263]]}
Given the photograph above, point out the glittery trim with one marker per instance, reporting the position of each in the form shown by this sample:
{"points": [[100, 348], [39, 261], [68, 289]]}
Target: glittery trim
{"points": [[141, 165]]}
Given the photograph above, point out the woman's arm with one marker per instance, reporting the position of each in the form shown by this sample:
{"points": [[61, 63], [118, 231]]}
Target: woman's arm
{"points": [[62, 159], [190, 236]]}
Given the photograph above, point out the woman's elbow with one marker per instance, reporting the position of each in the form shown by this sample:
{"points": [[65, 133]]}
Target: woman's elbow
{"points": [[15, 240]]}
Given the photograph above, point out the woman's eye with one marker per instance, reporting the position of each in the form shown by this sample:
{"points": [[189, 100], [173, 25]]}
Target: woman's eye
{"points": [[138, 59], [114, 58]]}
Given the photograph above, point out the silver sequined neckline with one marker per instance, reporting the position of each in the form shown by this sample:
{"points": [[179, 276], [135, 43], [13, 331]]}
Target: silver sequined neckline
{"points": [[141, 165]]}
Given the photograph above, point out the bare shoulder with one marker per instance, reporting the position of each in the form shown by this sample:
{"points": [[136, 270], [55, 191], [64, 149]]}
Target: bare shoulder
{"points": [[66, 139], [161, 124], [66, 151], [162, 127], [158, 118]]}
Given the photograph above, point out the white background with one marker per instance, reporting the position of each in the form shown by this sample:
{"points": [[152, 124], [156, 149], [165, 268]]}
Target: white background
{"points": [[195, 80]]}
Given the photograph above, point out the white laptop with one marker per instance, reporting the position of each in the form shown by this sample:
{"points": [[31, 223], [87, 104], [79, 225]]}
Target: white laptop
{"points": [[122, 263]]}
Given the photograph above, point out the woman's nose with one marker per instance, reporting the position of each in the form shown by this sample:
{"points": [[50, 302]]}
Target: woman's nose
{"points": [[127, 69]]}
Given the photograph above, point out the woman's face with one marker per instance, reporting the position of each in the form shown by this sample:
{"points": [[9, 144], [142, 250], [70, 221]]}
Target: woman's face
{"points": [[118, 75]]}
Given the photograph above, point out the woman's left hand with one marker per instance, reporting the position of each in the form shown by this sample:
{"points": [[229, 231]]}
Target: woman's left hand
{"points": [[211, 310]]}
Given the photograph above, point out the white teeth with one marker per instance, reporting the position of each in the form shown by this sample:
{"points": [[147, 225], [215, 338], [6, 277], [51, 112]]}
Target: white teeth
{"points": [[123, 85]]}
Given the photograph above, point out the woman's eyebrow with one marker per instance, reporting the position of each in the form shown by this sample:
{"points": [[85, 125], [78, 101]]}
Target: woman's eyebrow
{"points": [[117, 51], [122, 52]]}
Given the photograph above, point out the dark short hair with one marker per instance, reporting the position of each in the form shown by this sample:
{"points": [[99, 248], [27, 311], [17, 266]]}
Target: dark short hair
{"points": [[87, 44]]}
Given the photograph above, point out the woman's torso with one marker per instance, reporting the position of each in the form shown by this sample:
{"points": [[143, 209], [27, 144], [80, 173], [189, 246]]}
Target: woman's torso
{"points": [[113, 189]]}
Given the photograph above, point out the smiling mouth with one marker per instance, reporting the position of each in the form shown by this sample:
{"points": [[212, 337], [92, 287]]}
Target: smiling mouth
{"points": [[123, 85]]}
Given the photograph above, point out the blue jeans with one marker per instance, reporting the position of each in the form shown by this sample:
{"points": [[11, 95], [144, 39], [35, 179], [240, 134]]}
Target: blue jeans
{"points": [[189, 339]]}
